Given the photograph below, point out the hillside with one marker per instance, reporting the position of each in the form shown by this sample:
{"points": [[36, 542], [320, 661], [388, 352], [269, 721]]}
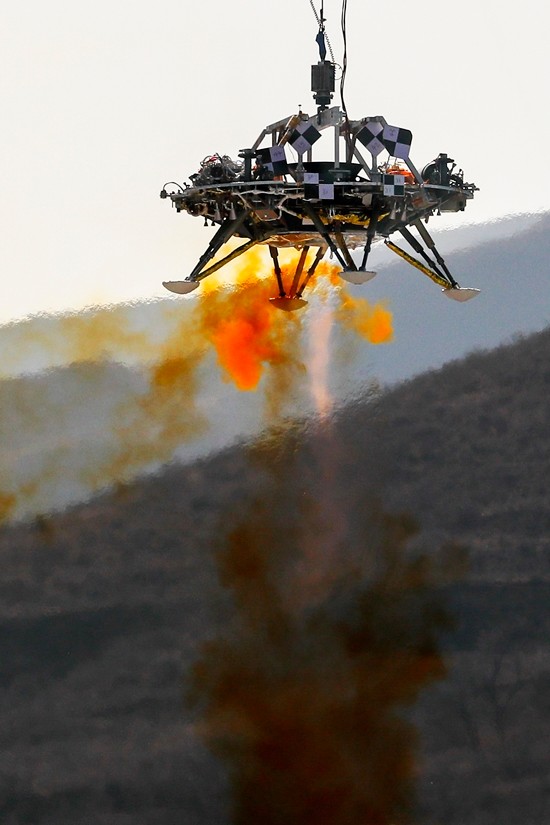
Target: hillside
{"points": [[512, 273], [80, 405], [105, 608]]}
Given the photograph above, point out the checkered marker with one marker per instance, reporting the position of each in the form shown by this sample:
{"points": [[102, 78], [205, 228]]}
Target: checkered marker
{"points": [[397, 141], [303, 137], [313, 188], [326, 191], [394, 185], [370, 135], [274, 158]]}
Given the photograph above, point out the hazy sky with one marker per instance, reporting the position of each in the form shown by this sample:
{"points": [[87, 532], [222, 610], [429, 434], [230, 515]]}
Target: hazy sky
{"points": [[104, 102]]}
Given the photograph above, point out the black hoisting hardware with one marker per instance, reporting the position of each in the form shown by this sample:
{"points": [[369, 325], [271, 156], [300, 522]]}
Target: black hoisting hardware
{"points": [[323, 73]]}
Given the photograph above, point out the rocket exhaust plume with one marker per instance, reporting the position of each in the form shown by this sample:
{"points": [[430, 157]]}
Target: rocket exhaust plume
{"points": [[249, 337], [118, 390], [334, 631], [334, 634], [319, 361]]}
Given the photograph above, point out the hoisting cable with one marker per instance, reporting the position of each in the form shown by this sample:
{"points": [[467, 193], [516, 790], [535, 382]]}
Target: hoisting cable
{"points": [[344, 68], [322, 36]]}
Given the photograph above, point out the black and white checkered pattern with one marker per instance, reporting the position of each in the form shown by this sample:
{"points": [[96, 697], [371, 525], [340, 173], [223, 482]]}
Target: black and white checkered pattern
{"points": [[303, 137], [314, 188], [370, 135], [274, 159], [394, 185], [397, 141]]}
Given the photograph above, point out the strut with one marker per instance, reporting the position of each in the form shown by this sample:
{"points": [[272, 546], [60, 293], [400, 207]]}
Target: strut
{"points": [[320, 252]]}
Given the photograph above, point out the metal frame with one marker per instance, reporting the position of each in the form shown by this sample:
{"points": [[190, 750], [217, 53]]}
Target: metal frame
{"points": [[276, 212]]}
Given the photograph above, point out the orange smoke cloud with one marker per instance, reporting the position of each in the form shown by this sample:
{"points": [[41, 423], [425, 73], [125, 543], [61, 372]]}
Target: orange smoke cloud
{"points": [[156, 408], [256, 345], [373, 323], [246, 332], [72, 432], [303, 697], [151, 426], [7, 505], [250, 334]]}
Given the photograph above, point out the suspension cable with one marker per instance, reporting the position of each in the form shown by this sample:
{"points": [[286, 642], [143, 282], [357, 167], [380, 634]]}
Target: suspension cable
{"points": [[344, 70], [320, 18]]}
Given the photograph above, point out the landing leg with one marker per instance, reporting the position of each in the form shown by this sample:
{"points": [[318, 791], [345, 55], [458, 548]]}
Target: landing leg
{"points": [[322, 230], [350, 263], [274, 252], [428, 240], [436, 270], [292, 300], [225, 231], [456, 292], [299, 270], [362, 275], [371, 232], [417, 246], [320, 252]]}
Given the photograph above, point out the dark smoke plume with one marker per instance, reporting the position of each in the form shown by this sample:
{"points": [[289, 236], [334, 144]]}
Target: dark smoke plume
{"points": [[334, 634]]}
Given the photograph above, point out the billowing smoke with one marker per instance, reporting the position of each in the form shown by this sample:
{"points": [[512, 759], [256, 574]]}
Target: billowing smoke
{"points": [[334, 634], [249, 336], [117, 391], [93, 423]]}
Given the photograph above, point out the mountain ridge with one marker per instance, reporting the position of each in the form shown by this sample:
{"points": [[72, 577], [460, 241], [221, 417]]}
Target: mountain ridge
{"points": [[105, 607]]}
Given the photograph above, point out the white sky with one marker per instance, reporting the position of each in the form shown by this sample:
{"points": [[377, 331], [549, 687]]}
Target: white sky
{"points": [[104, 102]]}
